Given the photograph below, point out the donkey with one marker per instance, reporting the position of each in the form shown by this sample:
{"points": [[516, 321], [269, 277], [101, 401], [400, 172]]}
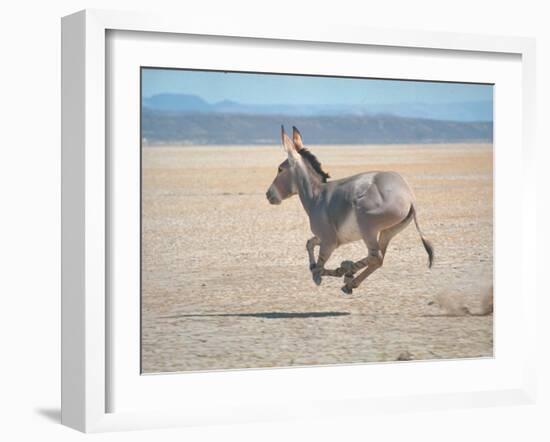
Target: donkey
{"points": [[372, 206]]}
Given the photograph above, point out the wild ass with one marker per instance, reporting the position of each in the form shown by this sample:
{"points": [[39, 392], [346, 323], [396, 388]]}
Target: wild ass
{"points": [[372, 206]]}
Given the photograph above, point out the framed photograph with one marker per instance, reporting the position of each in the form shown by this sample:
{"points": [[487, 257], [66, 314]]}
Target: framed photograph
{"points": [[267, 223]]}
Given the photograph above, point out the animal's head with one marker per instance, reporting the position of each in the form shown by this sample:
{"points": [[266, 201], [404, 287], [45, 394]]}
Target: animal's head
{"points": [[284, 185]]}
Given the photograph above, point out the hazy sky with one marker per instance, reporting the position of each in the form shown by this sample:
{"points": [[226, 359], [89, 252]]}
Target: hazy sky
{"points": [[291, 89]]}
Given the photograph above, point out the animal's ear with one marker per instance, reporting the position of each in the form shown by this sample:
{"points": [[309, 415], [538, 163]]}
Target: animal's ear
{"points": [[289, 146], [297, 138]]}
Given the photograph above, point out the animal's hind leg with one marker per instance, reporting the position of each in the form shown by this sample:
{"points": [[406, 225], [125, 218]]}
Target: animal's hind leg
{"points": [[350, 267], [373, 261], [387, 234]]}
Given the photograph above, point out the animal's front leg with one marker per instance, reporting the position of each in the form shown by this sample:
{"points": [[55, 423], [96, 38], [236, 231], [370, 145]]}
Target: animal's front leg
{"points": [[310, 246], [318, 271]]}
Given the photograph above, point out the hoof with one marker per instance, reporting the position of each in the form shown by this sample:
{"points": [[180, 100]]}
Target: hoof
{"points": [[317, 278], [347, 290], [347, 266]]}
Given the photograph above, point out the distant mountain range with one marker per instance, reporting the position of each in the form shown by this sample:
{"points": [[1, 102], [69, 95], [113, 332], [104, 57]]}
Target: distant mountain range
{"points": [[459, 111], [168, 127]]}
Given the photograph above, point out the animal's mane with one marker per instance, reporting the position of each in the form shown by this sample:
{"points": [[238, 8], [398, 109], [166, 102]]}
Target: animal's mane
{"points": [[314, 162]]}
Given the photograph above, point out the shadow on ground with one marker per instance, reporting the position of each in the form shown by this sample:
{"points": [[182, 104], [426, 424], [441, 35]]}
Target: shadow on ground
{"points": [[264, 315]]}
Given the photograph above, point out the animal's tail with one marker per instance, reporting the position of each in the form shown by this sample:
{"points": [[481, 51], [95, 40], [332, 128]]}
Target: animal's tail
{"points": [[427, 244]]}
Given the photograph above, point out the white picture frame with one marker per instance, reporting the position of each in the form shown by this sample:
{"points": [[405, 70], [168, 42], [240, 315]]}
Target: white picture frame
{"points": [[86, 315]]}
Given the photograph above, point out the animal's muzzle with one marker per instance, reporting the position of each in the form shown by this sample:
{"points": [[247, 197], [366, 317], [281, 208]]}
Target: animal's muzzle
{"points": [[272, 197]]}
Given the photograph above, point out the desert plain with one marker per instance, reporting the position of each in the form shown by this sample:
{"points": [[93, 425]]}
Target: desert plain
{"points": [[225, 277]]}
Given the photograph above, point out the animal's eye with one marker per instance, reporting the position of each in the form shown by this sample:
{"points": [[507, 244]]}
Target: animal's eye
{"points": [[279, 170]]}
